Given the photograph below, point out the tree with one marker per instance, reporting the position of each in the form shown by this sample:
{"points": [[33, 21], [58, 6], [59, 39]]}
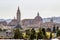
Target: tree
{"points": [[32, 34], [27, 32], [54, 29], [57, 27], [51, 35], [58, 33], [44, 32], [40, 34], [18, 34]]}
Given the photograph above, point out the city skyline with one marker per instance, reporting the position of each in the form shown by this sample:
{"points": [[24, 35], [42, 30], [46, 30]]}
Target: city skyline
{"points": [[29, 8]]}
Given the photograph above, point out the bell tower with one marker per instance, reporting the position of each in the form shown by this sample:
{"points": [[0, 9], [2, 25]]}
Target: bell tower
{"points": [[18, 15]]}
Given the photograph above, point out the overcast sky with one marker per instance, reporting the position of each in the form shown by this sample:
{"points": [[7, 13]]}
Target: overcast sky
{"points": [[29, 8]]}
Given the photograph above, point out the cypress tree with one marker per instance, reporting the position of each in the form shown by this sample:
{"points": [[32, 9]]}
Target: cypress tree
{"points": [[32, 34]]}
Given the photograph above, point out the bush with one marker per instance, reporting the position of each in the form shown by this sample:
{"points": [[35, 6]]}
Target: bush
{"points": [[40, 34], [58, 33]]}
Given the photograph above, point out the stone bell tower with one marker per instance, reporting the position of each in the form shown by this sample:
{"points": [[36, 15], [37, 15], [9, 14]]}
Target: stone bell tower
{"points": [[18, 15]]}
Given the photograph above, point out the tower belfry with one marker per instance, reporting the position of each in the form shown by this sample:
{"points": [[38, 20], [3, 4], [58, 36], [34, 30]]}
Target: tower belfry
{"points": [[18, 15]]}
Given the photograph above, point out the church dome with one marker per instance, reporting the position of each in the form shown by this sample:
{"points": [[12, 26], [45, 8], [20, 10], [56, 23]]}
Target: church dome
{"points": [[38, 17]]}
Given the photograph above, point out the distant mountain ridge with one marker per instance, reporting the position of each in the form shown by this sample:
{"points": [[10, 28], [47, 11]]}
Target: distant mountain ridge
{"points": [[55, 19]]}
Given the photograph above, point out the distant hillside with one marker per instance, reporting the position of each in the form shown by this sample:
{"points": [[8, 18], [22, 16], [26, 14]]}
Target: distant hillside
{"points": [[55, 19]]}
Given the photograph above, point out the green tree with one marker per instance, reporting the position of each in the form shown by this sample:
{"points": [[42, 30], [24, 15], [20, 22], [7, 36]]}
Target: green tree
{"points": [[54, 30], [18, 34], [44, 32], [51, 35], [32, 34], [58, 33], [27, 32], [57, 27], [40, 34]]}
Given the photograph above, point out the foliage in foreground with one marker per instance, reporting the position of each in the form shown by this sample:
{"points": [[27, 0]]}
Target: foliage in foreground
{"points": [[58, 33], [32, 34], [18, 34]]}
